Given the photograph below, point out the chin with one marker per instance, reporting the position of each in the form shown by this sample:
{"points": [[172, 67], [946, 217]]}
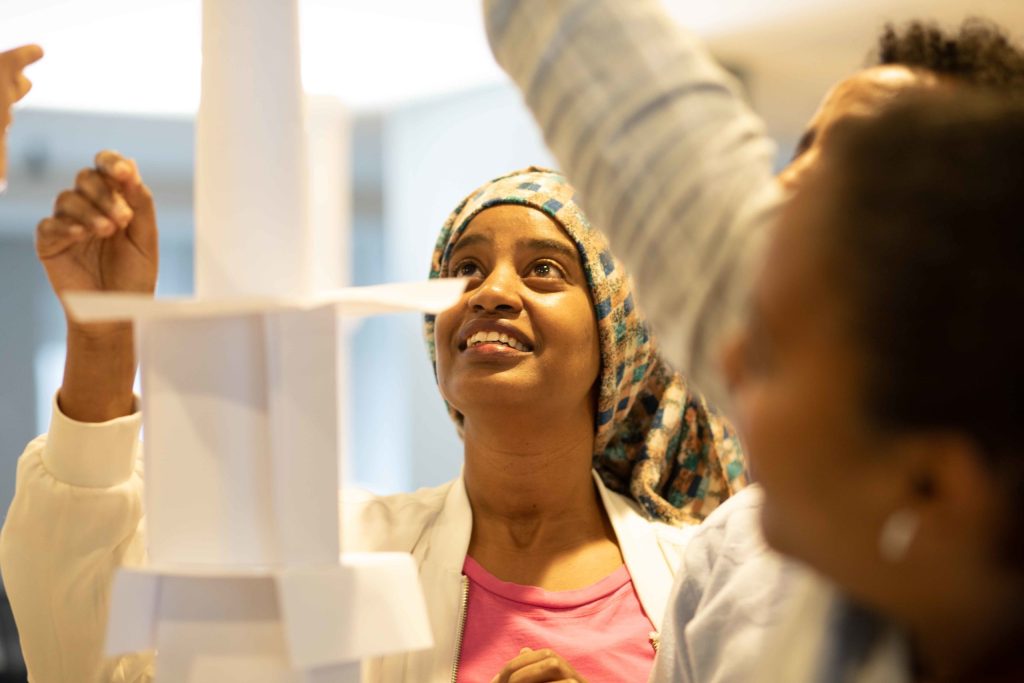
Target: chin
{"points": [[492, 390]]}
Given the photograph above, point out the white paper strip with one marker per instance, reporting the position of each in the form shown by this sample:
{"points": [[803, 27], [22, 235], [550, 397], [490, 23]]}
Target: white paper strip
{"points": [[328, 127], [250, 182], [302, 369], [432, 296]]}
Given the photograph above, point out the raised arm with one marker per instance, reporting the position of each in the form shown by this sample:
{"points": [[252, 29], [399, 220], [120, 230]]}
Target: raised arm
{"points": [[77, 510], [668, 159]]}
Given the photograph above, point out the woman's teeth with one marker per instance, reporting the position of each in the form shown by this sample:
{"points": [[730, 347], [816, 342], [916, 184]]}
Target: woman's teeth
{"points": [[495, 337]]}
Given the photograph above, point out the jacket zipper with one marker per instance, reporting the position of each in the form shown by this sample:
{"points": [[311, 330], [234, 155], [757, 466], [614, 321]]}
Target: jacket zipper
{"points": [[463, 605]]}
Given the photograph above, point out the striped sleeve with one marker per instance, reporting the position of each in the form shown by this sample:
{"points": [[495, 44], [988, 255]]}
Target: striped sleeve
{"points": [[668, 159]]}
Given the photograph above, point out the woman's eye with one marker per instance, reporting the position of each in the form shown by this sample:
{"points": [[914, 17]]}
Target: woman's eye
{"points": [[546, 270], [467, 269]]}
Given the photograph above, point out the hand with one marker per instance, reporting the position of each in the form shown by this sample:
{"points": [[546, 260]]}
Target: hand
{"points": [[13, 86], [537, 666], [101, 237]]}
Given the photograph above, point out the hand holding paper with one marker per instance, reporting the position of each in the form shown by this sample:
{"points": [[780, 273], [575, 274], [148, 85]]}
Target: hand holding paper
{"points": [[102, 234], [101, 237]]}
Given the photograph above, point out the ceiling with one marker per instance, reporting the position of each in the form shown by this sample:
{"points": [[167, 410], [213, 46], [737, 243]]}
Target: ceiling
{"points": [[142, 56]]}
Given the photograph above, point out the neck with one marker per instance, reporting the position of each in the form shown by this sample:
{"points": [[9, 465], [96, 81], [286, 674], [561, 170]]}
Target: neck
{"points": [[528, 478], [986, 652]]}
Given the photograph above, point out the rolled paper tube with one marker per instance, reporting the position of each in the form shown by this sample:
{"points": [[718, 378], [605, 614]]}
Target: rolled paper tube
{"points": [[251, 192]]}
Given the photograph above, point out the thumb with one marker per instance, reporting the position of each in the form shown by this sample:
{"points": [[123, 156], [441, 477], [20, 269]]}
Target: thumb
{"points": [[124, 173]]}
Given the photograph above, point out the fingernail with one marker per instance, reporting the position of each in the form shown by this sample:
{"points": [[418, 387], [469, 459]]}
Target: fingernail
{"points": [[104, 227], [76, 231], [122, 168], [124, 214]]}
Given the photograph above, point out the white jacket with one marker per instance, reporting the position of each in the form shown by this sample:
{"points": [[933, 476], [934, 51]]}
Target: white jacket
{"points": [[77, 516]]}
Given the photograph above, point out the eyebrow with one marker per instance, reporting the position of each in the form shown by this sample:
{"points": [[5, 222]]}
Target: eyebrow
{"points": [[533, 243], [469, 241], [806, 141], [552, 245]]}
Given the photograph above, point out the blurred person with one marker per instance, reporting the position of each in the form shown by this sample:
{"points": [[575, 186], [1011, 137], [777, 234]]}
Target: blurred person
{"points": [[863, 357], [14, 85], [586, 456], [919, 54]]}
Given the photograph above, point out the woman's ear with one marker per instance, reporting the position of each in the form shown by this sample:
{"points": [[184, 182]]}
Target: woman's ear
{"points": [[952, 489]]}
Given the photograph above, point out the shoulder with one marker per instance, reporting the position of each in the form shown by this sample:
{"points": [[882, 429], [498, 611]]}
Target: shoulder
{"points": [[727, 557], [731, 532], [393, 522], [732, 590]]}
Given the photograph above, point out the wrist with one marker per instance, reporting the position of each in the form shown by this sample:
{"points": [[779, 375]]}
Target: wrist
{"points": [[100, 335], [99, 372]]}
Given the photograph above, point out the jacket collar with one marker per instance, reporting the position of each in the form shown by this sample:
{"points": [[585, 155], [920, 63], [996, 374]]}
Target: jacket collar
{"points": [[651, 570]]}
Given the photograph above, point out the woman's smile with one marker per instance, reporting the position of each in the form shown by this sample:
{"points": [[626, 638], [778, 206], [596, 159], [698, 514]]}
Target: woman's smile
{"points": [[493, 338]]}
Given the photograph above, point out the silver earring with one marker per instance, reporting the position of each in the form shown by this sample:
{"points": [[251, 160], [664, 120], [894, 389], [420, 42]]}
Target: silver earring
{"points": [[897, 534]]}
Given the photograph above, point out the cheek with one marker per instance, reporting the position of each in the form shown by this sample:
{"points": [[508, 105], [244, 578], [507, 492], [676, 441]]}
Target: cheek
{"points": [[572, 330], [804, 451], [444, 328]]}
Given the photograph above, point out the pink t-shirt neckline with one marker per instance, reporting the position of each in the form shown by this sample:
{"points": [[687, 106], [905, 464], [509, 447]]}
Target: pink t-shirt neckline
{"points": [[534, 596], [601, 629]]}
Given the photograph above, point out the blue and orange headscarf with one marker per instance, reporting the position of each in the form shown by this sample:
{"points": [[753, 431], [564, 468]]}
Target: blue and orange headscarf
{"points": [[656, 439]]}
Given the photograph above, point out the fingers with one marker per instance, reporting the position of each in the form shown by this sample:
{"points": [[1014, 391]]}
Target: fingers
{"points": [[547, 670], [55, 234], [20, 57], [536, 666], [21, 86], [125, 172], [73, 206], [12, 62], [91, 185], [118, 168]]}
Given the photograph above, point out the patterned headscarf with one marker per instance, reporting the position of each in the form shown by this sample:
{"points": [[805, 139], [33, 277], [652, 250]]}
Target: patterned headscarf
{"points": [[656, 440]]}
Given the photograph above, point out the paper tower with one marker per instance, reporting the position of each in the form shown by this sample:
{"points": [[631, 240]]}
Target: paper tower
{"points": [[245, 580]]}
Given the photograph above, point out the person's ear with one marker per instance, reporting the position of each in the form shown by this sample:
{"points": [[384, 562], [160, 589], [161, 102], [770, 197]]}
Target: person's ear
{"points": [[950, 491]]}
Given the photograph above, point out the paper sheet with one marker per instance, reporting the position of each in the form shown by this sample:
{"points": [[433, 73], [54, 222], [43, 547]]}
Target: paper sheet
{"points": [[134, 601], [207, 445], [432, 296], [370, 605]]}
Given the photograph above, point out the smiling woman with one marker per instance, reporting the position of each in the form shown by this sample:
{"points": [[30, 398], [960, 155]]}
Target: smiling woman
{"points": [[550, 374], [551, 557]]}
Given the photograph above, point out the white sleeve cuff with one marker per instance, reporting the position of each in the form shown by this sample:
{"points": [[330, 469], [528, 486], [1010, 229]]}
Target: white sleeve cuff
{"points": [[92, 454]]}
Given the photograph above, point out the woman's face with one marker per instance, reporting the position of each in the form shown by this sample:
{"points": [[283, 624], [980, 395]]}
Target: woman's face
{"points": [[797, 376], [524, 335], [831, 477]]}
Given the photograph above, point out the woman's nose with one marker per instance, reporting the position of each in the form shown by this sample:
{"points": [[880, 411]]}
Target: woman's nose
{"points": [[498, 292]]}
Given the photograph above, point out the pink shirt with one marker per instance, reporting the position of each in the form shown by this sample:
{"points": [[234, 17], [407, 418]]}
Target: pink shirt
{"points": [[600, 630]]}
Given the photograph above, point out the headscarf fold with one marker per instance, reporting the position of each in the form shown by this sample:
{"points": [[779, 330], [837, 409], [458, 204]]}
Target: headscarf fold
{"points": [[656, 439]]}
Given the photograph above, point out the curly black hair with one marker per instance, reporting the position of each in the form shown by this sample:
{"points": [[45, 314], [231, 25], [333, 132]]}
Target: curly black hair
{"points": [[979, 53]]}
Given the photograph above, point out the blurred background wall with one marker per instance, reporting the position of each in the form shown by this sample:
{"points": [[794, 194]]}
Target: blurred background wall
{"points": [[432, 117]]}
